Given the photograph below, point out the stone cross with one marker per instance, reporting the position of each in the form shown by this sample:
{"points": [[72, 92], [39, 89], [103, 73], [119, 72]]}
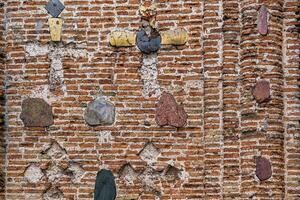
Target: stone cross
{"points": [[149, 41], [55, 53]]}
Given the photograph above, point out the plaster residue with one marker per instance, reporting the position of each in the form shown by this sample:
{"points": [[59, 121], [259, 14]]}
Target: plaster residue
{"points": [[55, 52], [33, 173], [149, 75], [105, 137]]}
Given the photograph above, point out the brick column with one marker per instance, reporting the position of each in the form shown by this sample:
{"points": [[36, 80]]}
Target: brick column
{"points": [[261, 124], [231, 99], [291, 63], [212, 63]]}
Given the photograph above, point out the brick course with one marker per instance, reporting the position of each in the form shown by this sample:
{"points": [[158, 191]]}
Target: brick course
{"points": [[212, 76]]}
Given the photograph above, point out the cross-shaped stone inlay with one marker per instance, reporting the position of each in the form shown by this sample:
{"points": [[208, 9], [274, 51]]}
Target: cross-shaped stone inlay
{"points": [[149, 41], [55, 53]]}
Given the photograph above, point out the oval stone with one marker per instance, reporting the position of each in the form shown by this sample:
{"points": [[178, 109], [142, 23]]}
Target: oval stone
{"points": [[263, 168], [263, 20], [105, 187], [261, 91], [148, 44]]}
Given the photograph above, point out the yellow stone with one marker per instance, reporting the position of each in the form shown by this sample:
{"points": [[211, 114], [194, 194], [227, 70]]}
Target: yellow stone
{"points": [[174, 37], [55, 25], [122, 39]]}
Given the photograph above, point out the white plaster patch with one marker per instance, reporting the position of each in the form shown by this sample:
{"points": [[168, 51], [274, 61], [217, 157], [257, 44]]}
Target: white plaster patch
{"points": [[77, 172], [149, 75], [149, 154], [55, 151], [33, 49], [33, 173], [54, 173], [105, 137], [128, 174]]}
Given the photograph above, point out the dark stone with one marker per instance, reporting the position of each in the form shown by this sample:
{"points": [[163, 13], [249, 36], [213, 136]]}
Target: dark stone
{"points": [[36, 113], [261, 91], [148, 44], [263, 20], [105, 187], [100, 112], [54, 8], [172, 173], [168, 112], [263, 168]]}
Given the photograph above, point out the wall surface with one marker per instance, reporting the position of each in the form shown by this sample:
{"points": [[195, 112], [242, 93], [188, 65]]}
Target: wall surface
{"points": [[212, 76]]}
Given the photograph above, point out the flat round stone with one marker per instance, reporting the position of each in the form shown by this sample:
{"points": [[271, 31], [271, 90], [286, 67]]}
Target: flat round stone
{"points": [[263, 168], [36, 113], [261, 91]]}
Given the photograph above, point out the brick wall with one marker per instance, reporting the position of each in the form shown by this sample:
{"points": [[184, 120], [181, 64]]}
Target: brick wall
{"points": [[2, 101], [212, 76]]}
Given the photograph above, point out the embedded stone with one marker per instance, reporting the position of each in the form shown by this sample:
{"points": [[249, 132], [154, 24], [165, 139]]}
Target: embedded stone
{"points": [[149, 153], [127, 173], [174, 37], [168, 112], [55, 25], [172, 173], [53, 193], [263, 20], [148, 44], [100, 112], [263, 168], [105, 187], [55, 7], [36, 113], [122, 39], [148, 12], [33, 173], [261, 91]]}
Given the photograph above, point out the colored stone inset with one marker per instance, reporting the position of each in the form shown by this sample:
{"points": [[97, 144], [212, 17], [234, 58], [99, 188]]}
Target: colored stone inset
{"points": [[105, 187], [174, 37], [263, 168], [148, 44], [122, 39], [263, 20], [54, 8], [261, 91], [36, 113], [55, 25], [168, 112], [100, 112]]}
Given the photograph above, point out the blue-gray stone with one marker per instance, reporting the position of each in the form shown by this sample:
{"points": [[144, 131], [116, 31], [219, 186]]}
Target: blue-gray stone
{"points": [[148, 44], [54, 7], [105, 187], [100, 112]]}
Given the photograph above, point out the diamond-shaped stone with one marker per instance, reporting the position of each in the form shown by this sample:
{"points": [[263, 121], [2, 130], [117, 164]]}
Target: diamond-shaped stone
{"points": [[149, 153], [55, 7]]}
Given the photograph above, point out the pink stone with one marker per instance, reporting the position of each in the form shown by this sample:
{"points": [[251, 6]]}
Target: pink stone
{"points": [[261, 91], [168, 112], [263, 20], [263, 168]]}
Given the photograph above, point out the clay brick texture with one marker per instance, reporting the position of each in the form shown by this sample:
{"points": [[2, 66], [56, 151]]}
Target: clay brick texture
{"points": [[212, 77]]}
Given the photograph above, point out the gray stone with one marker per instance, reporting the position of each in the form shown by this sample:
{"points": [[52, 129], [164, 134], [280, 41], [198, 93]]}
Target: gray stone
{"points": [[36, 113], [148, 44], [33, 173], [105, 187], [100, 112], [54, 8]]}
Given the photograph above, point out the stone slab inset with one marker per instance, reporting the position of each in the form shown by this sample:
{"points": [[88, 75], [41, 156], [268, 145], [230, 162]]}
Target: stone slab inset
{"points": [[55, 25], [36, 113], [148, 44], [261, 91], [105, 187], [263, 168], [262, 24], [33, 173], [174, 37], [168, 112], [122, 39], [54, 8], [100, 112]]}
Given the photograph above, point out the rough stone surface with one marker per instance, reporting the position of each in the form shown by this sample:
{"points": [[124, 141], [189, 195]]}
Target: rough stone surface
{"points": [[263, 168], [105, 186], [54, 173], [75, 171], [53, 193], [55, 151], [174, 37], [100, 112], [149, 153], [168, 112], [127, 173], [172, 173], [122, 39], [36, 113], [261, 91], [148, 44], [263, 20], [33, 173]]}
